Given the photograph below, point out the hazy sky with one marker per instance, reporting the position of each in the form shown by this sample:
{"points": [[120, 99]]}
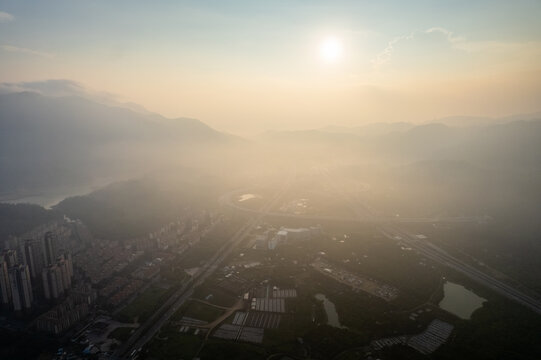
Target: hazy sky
{"points": [[246, 66]]}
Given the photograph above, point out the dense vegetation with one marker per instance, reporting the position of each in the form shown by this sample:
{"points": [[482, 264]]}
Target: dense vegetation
{"points": [[145, 304], [16, 219], [135, 208]]}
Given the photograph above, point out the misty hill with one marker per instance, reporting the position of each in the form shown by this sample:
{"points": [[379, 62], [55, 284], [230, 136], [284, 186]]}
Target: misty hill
{"points": [[372, 129], [135, 207], [512, 145], [17, 219], [58, 141], [437, 169], [466, 121], [42, 117]]}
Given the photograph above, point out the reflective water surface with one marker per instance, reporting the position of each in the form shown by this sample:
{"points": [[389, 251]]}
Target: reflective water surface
{"points": [[460, 301], [330, 310]]}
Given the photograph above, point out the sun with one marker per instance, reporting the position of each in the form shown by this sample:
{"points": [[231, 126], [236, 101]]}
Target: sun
{"points": [[331, 49]]}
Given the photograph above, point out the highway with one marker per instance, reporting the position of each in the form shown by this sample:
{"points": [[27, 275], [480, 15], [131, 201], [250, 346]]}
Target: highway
{"points": [[393, 230], [439, 255], [390, 227], [149, 329]]}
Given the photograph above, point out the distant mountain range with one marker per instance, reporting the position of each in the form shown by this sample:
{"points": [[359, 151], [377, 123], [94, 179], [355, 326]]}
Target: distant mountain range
{"points": [[50, 141], [381, 128], [371, 129], [464, 121], [506, 145]]}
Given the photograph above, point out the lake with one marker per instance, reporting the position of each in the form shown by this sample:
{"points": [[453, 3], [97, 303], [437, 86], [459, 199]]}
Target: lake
{"points": [[460, 301], [330, 310]]}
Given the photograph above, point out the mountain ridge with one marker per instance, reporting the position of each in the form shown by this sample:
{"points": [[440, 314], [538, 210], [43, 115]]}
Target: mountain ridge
{"points": [[60, 141]]}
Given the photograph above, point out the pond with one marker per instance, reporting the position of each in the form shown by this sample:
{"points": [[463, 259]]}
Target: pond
{"points": [[460, 301], [330, 310]]}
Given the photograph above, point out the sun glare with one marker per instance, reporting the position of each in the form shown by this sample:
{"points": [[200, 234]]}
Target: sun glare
{"points": [[331, 49]]}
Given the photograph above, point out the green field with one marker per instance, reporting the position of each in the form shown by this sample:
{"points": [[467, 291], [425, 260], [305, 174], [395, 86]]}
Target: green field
{"points": [[121, 333], [197, 310], [222, 349], [219, 297], [144, 305], [177, 346]]}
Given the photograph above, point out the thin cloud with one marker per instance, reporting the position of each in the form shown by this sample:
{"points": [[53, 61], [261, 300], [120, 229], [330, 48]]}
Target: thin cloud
{"points": [[448, 34], [385, 56], [6, 17], [459, 43], [21, 50]]}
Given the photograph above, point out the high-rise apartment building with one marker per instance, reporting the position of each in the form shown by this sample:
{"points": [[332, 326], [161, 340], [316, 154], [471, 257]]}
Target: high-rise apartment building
{"points": [[21, 287]]}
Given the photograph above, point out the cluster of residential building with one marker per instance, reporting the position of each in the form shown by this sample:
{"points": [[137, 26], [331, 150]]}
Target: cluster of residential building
{"points": [[37, 270], [15, 285], [147, 271], [59, 267], [297, 206], [118, 290], [57, 277], [178, 235], [171, 234], [271, 237], [74, 308], [104, 259], [124, 293], [35, 266]]}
